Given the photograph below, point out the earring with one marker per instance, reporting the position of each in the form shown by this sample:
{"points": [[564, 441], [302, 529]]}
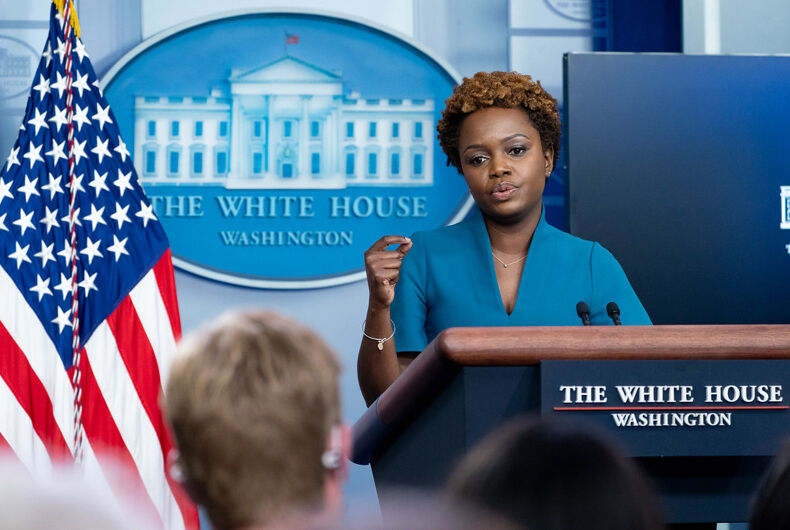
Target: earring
{"points": [[176, 473], [332, 457]]}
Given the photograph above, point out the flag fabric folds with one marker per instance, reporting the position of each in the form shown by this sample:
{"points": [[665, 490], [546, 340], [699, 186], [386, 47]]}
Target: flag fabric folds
{"points": [[127, 315]]}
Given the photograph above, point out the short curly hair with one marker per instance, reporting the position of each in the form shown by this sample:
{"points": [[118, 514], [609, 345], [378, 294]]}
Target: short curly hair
{"points": [[499, 89]]}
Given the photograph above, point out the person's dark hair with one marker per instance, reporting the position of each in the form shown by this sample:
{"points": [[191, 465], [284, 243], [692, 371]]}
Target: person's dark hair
{"points": [[550, 475], [771, 504], [499, 89]]}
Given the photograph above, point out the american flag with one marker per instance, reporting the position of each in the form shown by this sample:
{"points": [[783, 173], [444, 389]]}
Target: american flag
{"points": [[127, 313], [291, 39]]}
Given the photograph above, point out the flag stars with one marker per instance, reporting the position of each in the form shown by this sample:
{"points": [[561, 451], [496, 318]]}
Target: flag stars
{"points": [[42, 287], [13, 158], [57, 151], [123, 182], [59, 118], [78, 151], [50, 218], [79, 49], [81, 116], [42, 87], [98, 88], [98, 182], [33, 155], [20, 255], [67, 219], [47, 54], [88, 283], [102, 115], [118, 247], [66, 252], [53, 187], [39, 120], [91, 250], [24, 222], [121, 149], [3, 227], [76, 184], [120, 215], [64, 286], [60, 51], [101, 149], [60, 84], [29, 188], [45, 254], [81, 83], [146, 213], [5, 190], [63, 319], [95, 217]]}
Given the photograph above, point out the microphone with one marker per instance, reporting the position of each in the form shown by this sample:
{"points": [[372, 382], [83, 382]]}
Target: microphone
{"points": [[583, 310], [614, 313]]}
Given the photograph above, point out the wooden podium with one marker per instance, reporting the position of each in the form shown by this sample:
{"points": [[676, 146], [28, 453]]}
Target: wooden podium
{"points": [[468, 381]]}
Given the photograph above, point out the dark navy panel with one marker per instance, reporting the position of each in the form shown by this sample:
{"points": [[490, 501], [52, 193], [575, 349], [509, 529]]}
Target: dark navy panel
{"points": [[675, 164], [757, 420], [628, 26]]}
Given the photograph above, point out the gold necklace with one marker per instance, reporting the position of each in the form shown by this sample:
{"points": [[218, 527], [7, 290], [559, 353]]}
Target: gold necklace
{"points": [[505, 265]]}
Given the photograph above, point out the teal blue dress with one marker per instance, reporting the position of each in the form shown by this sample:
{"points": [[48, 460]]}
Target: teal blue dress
{"points": [[448, 280]]}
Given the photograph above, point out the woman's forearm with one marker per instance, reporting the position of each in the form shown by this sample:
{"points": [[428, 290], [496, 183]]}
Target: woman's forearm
{"points": [[377, 368]]}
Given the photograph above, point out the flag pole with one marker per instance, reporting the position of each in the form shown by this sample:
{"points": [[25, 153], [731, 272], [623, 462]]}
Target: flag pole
{"points": [[71, 27]]}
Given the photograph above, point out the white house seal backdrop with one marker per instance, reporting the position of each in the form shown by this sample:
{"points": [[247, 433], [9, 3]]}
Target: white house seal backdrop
{"points": [[274, 155]]}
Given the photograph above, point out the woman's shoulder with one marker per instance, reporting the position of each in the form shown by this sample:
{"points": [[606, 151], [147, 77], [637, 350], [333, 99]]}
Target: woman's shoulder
{"points": [[568, 242], [583, 251]]}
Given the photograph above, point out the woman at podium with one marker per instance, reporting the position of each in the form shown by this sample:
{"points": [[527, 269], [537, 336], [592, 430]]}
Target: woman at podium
{"points": [[503, 265]]}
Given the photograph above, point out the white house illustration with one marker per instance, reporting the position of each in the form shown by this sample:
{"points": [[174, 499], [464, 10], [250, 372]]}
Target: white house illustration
{"points": [[785, 194], [287, 124]]}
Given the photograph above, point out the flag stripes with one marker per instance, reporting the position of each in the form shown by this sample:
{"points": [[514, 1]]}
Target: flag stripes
{"points": [[101, 432], [31, 395], [131, 420], [153, 320], [19, 433], [28, 334], [167, 288]]}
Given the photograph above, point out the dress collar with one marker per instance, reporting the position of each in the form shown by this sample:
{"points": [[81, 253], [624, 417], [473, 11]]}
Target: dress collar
{"points": [[484, 260]]}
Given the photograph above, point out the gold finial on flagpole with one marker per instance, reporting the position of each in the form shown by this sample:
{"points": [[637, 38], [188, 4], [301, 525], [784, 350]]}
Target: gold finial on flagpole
{"points": [[75, 23]]}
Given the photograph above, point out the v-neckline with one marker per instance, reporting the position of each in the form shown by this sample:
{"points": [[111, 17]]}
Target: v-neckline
{"points": [[485, 241]]}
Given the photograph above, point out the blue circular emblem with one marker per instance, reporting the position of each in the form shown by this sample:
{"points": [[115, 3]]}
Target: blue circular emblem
{"points": [[277, 147], [578, 10]]}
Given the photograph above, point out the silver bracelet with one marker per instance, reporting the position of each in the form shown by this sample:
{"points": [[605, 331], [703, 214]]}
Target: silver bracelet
{"points": [[380, 341]]}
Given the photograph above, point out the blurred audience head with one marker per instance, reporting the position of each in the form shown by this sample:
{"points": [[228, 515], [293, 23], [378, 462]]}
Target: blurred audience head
{"points": [[771, 503], [411, 509], [550, 475], [253, 402]]}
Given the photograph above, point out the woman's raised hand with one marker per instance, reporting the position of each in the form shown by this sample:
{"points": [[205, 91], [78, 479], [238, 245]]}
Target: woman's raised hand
{"points": [[382, 268]]}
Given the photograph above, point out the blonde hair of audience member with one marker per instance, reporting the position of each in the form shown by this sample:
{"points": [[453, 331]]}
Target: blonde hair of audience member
{"points": [[254, 405]]}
